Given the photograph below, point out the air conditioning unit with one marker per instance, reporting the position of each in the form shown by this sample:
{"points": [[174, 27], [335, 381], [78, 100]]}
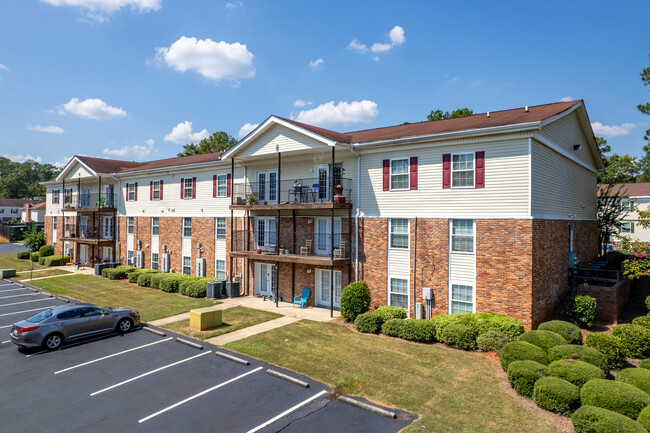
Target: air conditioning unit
{"points": [[139, 259], [200, 267], [164, 262]]}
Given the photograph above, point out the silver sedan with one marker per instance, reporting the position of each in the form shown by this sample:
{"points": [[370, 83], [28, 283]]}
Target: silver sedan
{"points": [[51, 327]]}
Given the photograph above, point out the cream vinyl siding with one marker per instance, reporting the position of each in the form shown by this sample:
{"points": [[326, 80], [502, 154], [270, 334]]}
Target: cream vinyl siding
{"points": [[399, 262], [505, 192], [462, 268], [53, 208], [220, 250], [565, 133], [640, 233], [560, 187], [77, 171], [287, 140]]}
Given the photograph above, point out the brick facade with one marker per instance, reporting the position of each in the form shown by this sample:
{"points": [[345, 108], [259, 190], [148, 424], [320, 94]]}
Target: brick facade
{"points": [[47, 228]]}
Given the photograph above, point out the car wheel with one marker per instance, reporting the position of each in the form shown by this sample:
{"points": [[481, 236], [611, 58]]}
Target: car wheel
{"points": [[124, 325], [52, 341]]}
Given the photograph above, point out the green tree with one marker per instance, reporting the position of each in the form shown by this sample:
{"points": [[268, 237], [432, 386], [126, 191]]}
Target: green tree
{"points": [[609, 212], [220, 141], [21, 180], [645, 108], [619, 169], [459, 112], [34, 238], [644, 164]]}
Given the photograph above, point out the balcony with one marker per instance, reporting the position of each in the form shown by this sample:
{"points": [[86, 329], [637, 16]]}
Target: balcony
{"points": [[89, 235], [89, 201], [292, 195]]}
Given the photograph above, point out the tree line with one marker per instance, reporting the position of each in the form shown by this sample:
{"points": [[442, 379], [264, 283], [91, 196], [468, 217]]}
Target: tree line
{"points": [[21, 179]]}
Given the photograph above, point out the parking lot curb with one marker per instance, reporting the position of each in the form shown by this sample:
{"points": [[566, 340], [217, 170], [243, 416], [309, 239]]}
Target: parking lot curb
{"points": [[154, 331], [189, 343], [32, 289], [232, 358], [62, 299], [288, 378], [367, 406]]}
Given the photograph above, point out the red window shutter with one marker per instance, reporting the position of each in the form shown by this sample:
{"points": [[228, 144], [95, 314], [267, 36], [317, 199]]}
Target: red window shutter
{"points": [[151, 190], [193, 187], [479, 160], [161, 182], [228, 181], [446, 170], [214, 186], [414, 172], [136, 191], [126, 194], [53, 193], [182, 188], [386, 174]]}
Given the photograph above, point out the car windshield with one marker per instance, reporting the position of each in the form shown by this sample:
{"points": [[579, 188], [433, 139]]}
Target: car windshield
{"points": [[40, 316]]}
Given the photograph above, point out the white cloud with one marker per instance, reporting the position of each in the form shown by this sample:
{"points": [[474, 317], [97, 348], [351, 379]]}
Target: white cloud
{"points": [[62, 162], [213, 60], [51, 129], [343, 113], [476, 83], [91, 109], [23, 158], [566, 99], [150, 141], [612, 131], [246, 129], [452, 80], [135, 152], [3, 67], [232, 6], [182, 134], [98, 10], [396, 36], [301, 103], [354, 45], [380, 48], [316, 63]]}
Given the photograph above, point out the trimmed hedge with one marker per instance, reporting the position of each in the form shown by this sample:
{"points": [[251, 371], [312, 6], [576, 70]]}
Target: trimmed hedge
{"points": [[583, 353], [591, 419], [419, 330], [133, 276], [355, 300], [34, 257], [171, 282], [386, 312], [23, 254], [542, 339], [144, 278], [570, 332], [642, 321], [644, 418], [556, 395], [616, 396], [460, 335], [491, 340], [482, 322], [575, 371], [195, 287], [106, 272], [639, 377], [645, 363], [521, 351], [368, 323], [46, 250], [116, 274], [54, 260], [635, 338], [522, 375], [155, 279], [127, 269], [582, 308], [393, 327], [610, 346]]}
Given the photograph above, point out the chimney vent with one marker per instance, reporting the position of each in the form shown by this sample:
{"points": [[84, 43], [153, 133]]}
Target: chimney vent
{"points": [[526, 109]]}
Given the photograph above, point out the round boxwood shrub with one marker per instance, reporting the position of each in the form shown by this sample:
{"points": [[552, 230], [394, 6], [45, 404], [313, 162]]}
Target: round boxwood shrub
{"points": [[647, 303], [521, 351], [23, 254], [616, 396], [441, 321], [54, 260], [46, 250], [34, 257], [355, 300], [171, 282], [575, 371], [639, 377], [570, 332], [542, 339], [491, 340], [419, 330], [106, 272], [522, 375], [368, 323], [460, 335], [591, 419], [387, 312], [127, 269], [117, 274], [144, 278], [642, 321], [610, 346], [507, 325], [556, 395], [194, 287], [155, 279], [575, 351], [644, 418], [392, 327], [133, 276], [645, 363], [635, 338]]}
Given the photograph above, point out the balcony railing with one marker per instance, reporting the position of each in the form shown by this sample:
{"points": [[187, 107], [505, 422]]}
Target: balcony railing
{"points": [[266, 242], [89, 201], [289, 191]]}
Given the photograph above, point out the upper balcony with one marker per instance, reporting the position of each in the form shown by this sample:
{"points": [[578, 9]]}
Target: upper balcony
{"points": [[294, 194], [83, 233], [76, 202]]}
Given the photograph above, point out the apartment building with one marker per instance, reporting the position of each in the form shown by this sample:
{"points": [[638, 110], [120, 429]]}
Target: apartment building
{"points": [[11, 208], [635, 198], [481, 213]]}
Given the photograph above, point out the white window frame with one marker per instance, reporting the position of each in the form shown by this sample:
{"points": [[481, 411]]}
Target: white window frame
{"points": [[55, 197], [451, 300], [318, 283], [627, 205], [155, 189], [54, 222], [129, 257], [269, 236], [155, 264], [220, 269], [188, 195], [155, 226], [218, 233], [130, 225], [222, 185], [131, 191], [408, 292], [390, 234], [187, 227], [627, 227], [2, 211], [451, 236], [107, 227], [473, 170], [14, 211], [187, 265], [407, 174]]}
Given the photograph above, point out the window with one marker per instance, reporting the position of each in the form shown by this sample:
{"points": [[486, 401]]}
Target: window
{"points": [[155, 190], [627, 205], [220, 270], [2, 211], [55, 196], [627, 227], [14, 210], [399, 233], [154, 261], [398, 295], [462, 236], [462, 170], [462, 299], [53, 223], [54, 246], [129, 257], [221, 228], [129, 224], [67, 195], [187, 188], [222, 185], [155, 226], [187, 265], [131, 188], [399, 174], [66, 227], [187, 227]]}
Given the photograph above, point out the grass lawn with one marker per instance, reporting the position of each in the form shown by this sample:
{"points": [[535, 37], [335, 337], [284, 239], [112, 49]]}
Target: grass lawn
{"points": [[10, 261], [151, 303], [233, 319], [451, 390], [41, 273]]}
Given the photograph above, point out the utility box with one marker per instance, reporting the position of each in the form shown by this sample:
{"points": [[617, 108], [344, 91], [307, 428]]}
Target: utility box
{"points": [[419, 311], [205, 318], [200, 267], [139, 259], [7, 273], [427, 293]]}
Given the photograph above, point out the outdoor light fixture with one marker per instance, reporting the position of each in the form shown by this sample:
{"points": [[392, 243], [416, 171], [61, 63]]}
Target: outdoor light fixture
{"points": [[577, 146]]}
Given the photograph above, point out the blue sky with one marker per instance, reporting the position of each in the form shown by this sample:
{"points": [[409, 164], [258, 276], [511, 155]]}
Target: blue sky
{"points": [[136, 79]]}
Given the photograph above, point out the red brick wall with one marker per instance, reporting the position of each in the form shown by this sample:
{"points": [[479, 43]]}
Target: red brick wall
{"points": [[142, 232], [432, 263], [48, 231], [373, 257], [610, 301], [203, 232]]}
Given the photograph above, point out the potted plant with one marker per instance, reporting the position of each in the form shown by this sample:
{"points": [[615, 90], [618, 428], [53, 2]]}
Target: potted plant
{"points": [[251, 199]]}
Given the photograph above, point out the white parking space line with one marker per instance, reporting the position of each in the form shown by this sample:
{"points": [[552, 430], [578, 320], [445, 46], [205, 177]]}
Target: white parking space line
{"points": [[199, 395], [25, 302], [5, 342], [6, 326], [11, 290], [27, 311], [18, 296], [37, 353], [110, 356], [287, 412], [149, 372]]}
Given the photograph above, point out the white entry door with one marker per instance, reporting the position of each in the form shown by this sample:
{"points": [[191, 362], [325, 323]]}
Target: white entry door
{"points": [[107, 227], [267, 187], [323, 287], [85, 197], [265, 235], [323, 228], [83, 254], [264, 278], [321, 177], [107, 254]]}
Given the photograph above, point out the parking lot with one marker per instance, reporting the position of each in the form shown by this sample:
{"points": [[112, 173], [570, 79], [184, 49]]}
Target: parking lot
{"points": [[144, 382]]}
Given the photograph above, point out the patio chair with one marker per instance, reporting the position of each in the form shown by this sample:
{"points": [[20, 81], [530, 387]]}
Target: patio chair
{"points": [[314, 191], [302, 299], [339, 252], [306, 250]]}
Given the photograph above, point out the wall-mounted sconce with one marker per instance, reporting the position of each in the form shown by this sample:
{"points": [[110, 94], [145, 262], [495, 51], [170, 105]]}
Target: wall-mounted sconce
{"points": [[577, 147]]}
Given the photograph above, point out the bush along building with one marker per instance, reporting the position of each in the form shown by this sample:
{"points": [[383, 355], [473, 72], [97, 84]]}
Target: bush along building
{"points": [[481, 213]]}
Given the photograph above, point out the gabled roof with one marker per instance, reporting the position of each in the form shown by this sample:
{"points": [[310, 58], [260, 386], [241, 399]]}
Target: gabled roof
{"points": [[17, 202], [41, 205], [641, 189]]}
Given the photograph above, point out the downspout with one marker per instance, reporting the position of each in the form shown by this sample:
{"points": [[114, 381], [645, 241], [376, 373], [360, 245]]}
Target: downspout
{"points": [[116, 223], [415, 263], [356, 218]]}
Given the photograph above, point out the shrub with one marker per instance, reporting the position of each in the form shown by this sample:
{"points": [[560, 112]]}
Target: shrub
{"points": [[582, 308], [639, 377], [393, 327], [460, 335], [610, 346], [194, 287], [41, 260], [575, 371], [127, 269], [491, 340], [155, 279], [133, 276], [591, 419], [355, 300], [54, 260], [441, 321], [647, 303], [171, 282], [507, 325], [368, 322], [644, 418], [542, 339], [23, 254], [117, 274], [46, 250], [642, 321], [386, 312], [34, 257], [522, 375], [420, 330], [616, 396], [570, 332], [521, 351], [645, 363], [583, 353], [556, 395], [635, 338], [144, 278]]}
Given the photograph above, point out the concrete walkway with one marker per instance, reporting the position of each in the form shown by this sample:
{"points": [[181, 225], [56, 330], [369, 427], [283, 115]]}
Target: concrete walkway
{"points": [[252, 330]]}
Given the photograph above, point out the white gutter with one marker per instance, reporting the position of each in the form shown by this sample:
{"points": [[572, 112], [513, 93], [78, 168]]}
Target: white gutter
{"points": [[356, 217]]}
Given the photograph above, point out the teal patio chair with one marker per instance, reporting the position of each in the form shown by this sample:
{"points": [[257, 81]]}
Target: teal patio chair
{"points": [[302, 299]]}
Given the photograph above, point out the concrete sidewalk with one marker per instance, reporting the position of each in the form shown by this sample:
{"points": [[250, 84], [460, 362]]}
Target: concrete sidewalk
{"points": [[252, 330]]}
